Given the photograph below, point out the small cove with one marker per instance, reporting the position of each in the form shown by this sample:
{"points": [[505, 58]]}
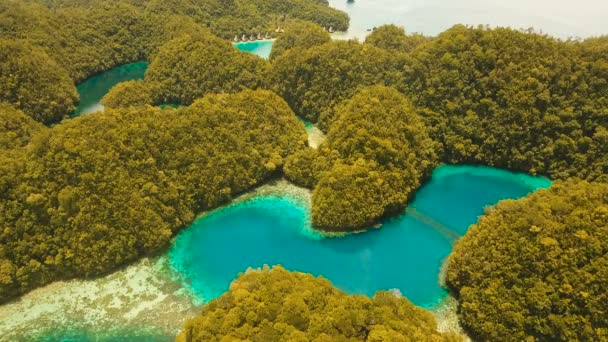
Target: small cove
{"points": [[94, 88], [260, 48]]}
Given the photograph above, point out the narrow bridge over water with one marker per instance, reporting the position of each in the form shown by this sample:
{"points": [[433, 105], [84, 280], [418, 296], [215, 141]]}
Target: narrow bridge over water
{"points": [[446, 231]]}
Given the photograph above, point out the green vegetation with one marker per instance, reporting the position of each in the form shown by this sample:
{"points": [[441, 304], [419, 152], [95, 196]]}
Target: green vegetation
{"points": [[313, 81], [515, 100], [536, 268], [16, 128], [299, 34], [82, 38], [277, 305], [129, 93], [191, 66], [95, 192], [391, 37], [34, 83], [376, 155]]}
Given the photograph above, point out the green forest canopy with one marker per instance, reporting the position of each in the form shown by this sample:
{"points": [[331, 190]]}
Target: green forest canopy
{"points": [[95, 192], [377, 153], [76, 39], [277, 305], [498, 97], [16, 128], [34, 83], [300, 34], [536, 268], [515, 100]]}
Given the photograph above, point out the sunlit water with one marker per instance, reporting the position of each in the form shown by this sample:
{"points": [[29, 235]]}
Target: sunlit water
{"points": [[94, 88], [558, 18], [260, 48], [270, 226], [406, 254]]}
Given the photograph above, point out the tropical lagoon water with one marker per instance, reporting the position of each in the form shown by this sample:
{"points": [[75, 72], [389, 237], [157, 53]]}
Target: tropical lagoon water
{"points": [[260, 48], [94, 88], [562, 19], [151, 299], [406, 254]]}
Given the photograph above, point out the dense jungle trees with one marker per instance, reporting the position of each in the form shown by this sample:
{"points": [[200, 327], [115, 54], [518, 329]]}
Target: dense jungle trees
{"points": [[377, 153], [498, 97], [34, 83], [392, 37], [277, 305], [536, 268], [85, 37], [299, 34], [16, 128], [313, 81], [191, 66], [130, 93], [516, 100], [94, 192]]}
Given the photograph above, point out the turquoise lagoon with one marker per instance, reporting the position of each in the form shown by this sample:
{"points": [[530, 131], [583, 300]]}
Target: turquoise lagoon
{"points": [[261, 48], [94, 88], [406, 254]]}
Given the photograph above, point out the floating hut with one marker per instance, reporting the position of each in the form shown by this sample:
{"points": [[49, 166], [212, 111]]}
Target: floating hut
{"points": [[236, 39], [244, 38], [266, 36], [331, 29]]}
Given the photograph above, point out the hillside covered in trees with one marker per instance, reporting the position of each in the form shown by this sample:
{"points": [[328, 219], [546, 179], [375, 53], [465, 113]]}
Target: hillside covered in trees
{"points": [[537, 268], [277, 305], [65, 41], [81, 197], [377, 153], [95, 192]]}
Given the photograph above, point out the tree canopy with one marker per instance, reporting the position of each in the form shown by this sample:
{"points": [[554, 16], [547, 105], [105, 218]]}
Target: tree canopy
{"points": [[82, 38], [34, 83], [277, 305], [95, 192], [392, 37], [376, 155], [191, 66], [313, 81], [515, 100], [16, 128], [536, 268], [130, 93], [299, 34]]}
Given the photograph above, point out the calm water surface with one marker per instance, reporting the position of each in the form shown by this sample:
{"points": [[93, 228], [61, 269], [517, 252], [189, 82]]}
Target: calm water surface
{"points": [[261, 48], [94, 88], [406, 254], [558, 18]]}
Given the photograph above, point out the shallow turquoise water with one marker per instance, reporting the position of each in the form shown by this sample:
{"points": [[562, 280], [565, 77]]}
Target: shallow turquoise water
{"points": [[94, 88], [405, 254], [98, 336], [261, 48]]}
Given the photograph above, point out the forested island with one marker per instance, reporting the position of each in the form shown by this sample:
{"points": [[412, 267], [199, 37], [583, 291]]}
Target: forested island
{"points": [[80, 197]]}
